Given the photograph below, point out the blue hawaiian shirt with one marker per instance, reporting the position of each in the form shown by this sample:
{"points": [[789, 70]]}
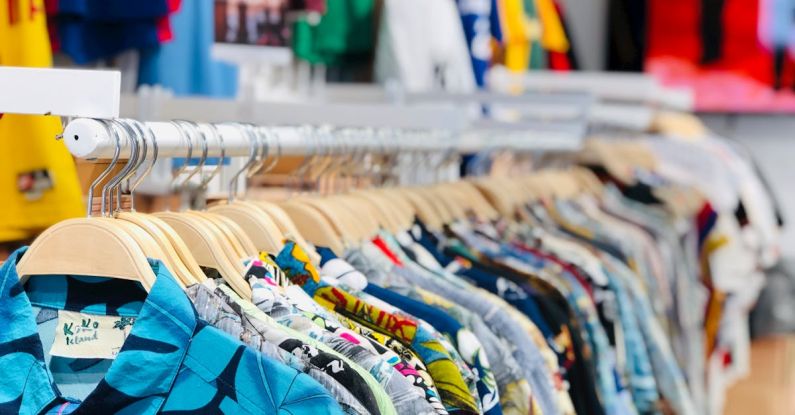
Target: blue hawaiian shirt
{"points": [[170, 362]]}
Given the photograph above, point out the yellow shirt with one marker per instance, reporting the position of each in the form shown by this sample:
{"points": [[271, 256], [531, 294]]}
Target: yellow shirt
{"points": [[553, 36], [516, 34], [38, 180]]}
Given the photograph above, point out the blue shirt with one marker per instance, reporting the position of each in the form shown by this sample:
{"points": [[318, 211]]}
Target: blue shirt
{"points": [[170, 362], [185, 64]]}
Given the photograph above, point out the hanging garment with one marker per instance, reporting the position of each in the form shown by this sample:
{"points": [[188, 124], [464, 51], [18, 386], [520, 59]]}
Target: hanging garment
{"points": [[38, 180], [184, 65], [92, 30], [452, 388], [583, 394], [530, 359], [421, 44], [464, 341], [289, 308], [170, 360], [221, 315], [516, 34], [627, 37], [258, 330], [345, 33], [712, 31], [477, 29], [405, 397]]}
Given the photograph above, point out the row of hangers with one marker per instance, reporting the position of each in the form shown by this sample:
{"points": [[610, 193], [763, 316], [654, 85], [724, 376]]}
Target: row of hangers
{"points": [[117, 243]]}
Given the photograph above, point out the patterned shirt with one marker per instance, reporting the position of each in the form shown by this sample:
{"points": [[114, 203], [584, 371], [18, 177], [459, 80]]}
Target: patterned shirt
{"points": [[402, 393], [265, 329], [215, 310], [283, 305], [452, 388], [459, 341], [514, 390], [170, 361]]}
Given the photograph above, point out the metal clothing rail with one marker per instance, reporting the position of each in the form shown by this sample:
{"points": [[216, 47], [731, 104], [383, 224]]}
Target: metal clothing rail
{"points": [[154, 106], [606, 86], [94, 139], [557, 108]]}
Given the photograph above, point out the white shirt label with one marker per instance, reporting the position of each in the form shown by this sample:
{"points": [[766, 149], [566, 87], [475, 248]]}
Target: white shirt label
{"points": [[88, 336]]}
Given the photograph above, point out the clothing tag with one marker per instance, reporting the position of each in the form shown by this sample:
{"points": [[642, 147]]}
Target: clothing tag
{"points": [[87, 336]]}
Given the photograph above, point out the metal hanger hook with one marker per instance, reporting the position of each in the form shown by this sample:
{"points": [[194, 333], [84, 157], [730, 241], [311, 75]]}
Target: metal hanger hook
{"points": [[148, 135], [252, 158], [183, 137], [262, 146], [220, 140], [193, 128], [268, 133], [111, 166], [114, 184], [135, 130]]}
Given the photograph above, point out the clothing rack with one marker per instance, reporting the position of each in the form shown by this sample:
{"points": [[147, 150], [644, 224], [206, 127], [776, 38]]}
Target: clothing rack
{"points": [[222, 237], [421, 127]]}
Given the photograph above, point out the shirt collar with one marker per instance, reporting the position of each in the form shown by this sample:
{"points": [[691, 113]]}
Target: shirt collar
{"points": [[147, 364]]}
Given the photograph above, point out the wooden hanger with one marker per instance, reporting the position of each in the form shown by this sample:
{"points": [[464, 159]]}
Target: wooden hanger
{"points": [[180, 261], [167, 253], [447, 198], [384, 213], [287, 228], [441, 208], [588, 180], [314, 226], [426, 212], [245, 242], [484, 207], [403, 207], [470, 205], [111, 191], [332, 213], [360, 214], [404, 211], [253, 228], [225, 243], [364, 213], [603, 153], [208, 249], [179, 246], [256, 223], [498, 197], [88, 247], [564, 186], [229, 235]]}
